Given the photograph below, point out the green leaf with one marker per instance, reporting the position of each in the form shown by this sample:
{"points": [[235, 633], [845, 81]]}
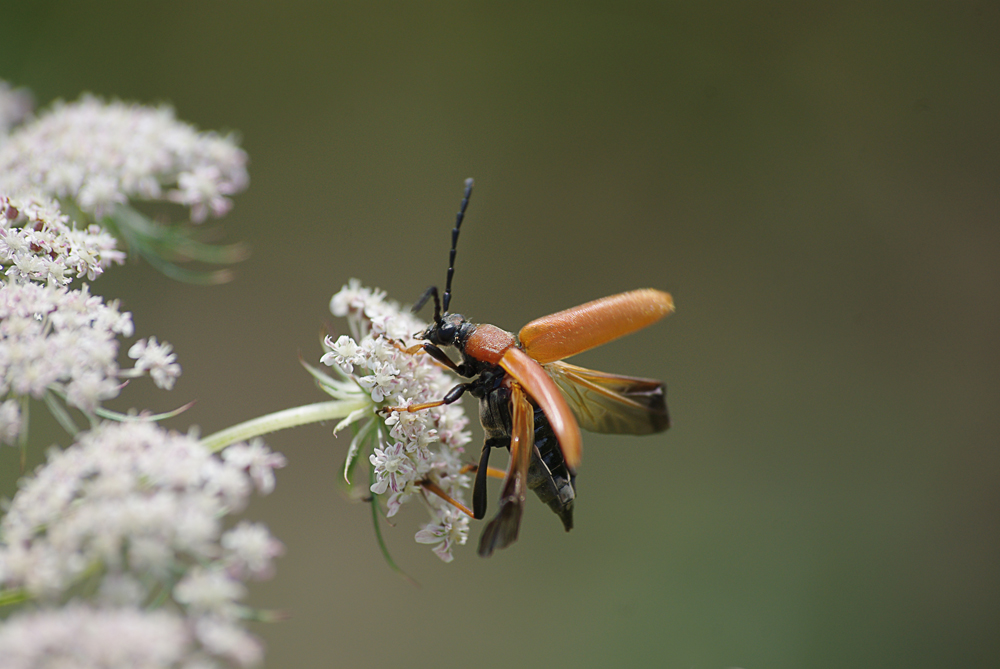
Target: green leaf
{"points": [[363, 434], [134, 418], [163, 246]]}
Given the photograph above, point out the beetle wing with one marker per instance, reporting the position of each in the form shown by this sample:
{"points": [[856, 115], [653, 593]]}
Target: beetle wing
{"points": [[575, 330], [502, 530], [539, 386], [611, 403]]}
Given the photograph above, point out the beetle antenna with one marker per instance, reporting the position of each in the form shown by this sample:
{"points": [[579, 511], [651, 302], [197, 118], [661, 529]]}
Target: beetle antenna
{"points": [[430, 292], [454, 244]]}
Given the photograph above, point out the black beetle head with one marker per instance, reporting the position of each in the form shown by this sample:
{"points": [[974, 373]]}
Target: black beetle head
{"points": [[450, 330]]}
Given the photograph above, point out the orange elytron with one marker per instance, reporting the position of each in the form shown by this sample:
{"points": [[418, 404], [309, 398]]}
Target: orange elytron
{"points": [[533, 403]]}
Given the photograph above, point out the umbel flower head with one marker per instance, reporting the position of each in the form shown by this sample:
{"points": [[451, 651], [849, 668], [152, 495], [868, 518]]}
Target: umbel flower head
{"points": [[412, 456], [64, 343], [135, 514], [101, 154], [86, 636], [38, 243], [94, 160]]}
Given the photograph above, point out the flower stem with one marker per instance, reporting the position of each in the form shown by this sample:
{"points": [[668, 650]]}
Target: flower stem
{"points": [[304, 415], [14, 596]]}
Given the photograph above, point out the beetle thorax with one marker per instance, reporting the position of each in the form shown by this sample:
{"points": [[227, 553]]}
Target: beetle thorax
{"points": [[488, 343]]}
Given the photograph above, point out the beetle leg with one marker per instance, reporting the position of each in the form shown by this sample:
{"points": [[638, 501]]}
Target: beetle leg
{"points": [[451, 397], [479, 490], [409, 350], [441, 357], [431, 350], [430, 486], [492, 472], [502, 530], [483, 470], [435, 352]]}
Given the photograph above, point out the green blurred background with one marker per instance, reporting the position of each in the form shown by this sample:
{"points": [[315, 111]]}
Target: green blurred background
{"points": [[819, 188]]}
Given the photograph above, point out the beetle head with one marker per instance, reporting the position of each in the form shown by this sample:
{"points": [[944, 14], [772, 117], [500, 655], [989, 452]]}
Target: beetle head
{"points": [[449, 330]]}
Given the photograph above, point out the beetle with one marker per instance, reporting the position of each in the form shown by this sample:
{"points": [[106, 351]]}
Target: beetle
{"points": [[532, 402]]}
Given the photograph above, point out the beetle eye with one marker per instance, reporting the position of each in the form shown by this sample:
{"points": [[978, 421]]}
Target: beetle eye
{"points": [[447, 333]]}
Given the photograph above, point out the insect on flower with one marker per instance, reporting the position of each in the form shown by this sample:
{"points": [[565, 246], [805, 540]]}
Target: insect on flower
{"points": [[532, 402]]}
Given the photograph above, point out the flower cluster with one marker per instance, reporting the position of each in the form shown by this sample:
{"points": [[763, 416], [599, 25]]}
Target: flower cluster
{"points": [[62, 341], [101, 154], [118, 541], [15, 105], [37, 243], [411, 453], [136, 514], [86, 636]]}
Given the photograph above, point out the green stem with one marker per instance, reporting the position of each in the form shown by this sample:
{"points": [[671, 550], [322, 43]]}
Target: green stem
{"points": [[23, 437], [16, 596], [60, 413], [311, 413]]}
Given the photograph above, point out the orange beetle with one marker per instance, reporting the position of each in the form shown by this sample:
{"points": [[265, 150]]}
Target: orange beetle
{"points": [[535, 404]]}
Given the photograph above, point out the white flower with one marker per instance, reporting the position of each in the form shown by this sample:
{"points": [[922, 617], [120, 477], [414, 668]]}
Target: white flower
{"points": [[123, 637], [53, 338], [398, 499], [131, 499], [392, 468], [15, 105], [100, 194], [210, 591], [251, 550], [158, 360], [121, 590], [204, 191], [258, 459], [230, 484], [380, 383], [223, 638], [84, 636], [104, 153], [38, 243], [354, 298], [344, 352], [453, 528], [10, 422], [407, 450]]}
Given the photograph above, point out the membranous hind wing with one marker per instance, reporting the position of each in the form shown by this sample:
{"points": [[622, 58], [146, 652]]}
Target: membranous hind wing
{"points": [[502, 530], [611, 403]]}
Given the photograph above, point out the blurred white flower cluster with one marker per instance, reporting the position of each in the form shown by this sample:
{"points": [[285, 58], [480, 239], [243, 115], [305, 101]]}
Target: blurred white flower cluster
{"points": [[412, 455], [101, 154], [135, 514], [70, 177], [66, 179], [101, 637], [62, 342], [38, 243], [15, 105], [118, 546]]}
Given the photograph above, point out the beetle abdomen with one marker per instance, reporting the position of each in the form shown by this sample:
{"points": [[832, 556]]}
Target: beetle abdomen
{"points": [[548, 475]]}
